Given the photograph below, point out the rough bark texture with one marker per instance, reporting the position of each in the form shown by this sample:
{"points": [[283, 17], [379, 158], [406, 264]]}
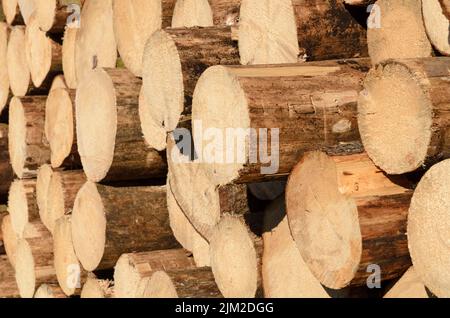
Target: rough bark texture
{"points": [[167, 7], [194, 283], [137, 220], [225, 12], [445, 4], [198, 49], [6, 172], [319, 113], [37, 147], [71, 183], [326, 30], [30, 190], [133, 159], [73, 161], [8, 286]]}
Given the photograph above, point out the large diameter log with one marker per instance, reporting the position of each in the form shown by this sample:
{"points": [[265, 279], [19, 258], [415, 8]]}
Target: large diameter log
{"points": [[437, 26], [8, 286], [326, 30], [44, 56], [4, 77], [49, 291], [268, 32], [174, 59], [409, 286], [169, 274], [67, 267], [95, 44], [12, 12], [109, 135], [6, 171], [60, 128], [68, 57], [398, 31], [346, 216], [284, 272], [34, 260], [244, 106], [52, 15], [108, 222], [134, 23], [22, 204], [62, 190], [428, 229], [192, 13], [97, 288], [28, 147], [416, 131]]}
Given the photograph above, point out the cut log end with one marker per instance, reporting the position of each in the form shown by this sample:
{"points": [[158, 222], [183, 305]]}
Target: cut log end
{"points": [[68, 57], [9, 239], [10, 10], [126, 278], [44, 176], [65, 261], [96, 115], [437, 25], [159, 285], [25, 271], [59, 125], [4, 78], [428, 229], [324, 223], [191, 13], [96, 288], [164, 98], [89, 226], [400, 33], [220, 103], [17, 136], [47, 291], [268, 32], [18, 206], [38, 50], [154, 134], [18, 72], [233, 259], [395, 118]]}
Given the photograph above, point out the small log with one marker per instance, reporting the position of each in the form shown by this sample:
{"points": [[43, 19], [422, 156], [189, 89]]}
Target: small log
{"points": [[345, 215], [109, 135], [95, 44], [68, 270], [134, 23], [284, 272], [4, 77], [44, 175], [60, 128], [34, 260], [174, 60], [437, 26], [22, 204], [244, 107], [62, 190], [416, 132], [44, 56], [28, 147], [8, 286], [428, 229], [68, 57], [397, 32], [108, 221], [49, 291], [6, 171], [170, 273], [97, 288], [409, 286]]}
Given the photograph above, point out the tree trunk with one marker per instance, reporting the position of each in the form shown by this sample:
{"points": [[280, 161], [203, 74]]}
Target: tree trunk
{"points": [[6, 171], [138, 275], [119, 220], [318, 114], [109, 138], [326, 30], [416, 132], [28, 147], [34, 260], [348, 219], [174, 59]]}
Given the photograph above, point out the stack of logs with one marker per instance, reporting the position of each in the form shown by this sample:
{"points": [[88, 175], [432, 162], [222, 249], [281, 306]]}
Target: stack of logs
{"points": [[224, 148]]}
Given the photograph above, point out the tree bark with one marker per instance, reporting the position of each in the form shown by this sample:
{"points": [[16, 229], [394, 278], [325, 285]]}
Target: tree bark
{"points": [[6, 171], [225, 12], [326, 30], [8, 287], [445, 4], [167, 7]]}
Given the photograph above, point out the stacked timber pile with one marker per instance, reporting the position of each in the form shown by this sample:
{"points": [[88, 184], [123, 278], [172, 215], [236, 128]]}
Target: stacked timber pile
{"points": [[224, 148]]}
